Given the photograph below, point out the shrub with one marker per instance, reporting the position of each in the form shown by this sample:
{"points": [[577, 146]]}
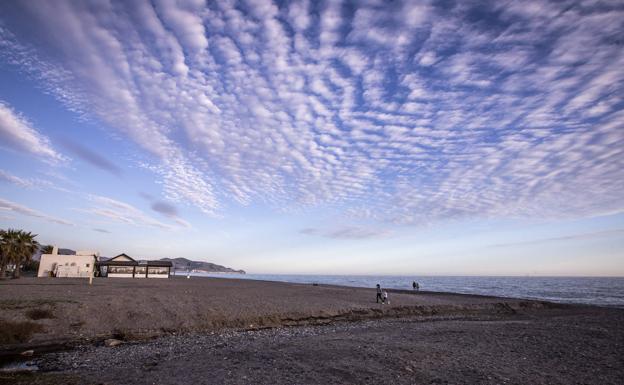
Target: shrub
{"points": [[36, 314], [32, 266], [15, 332]]}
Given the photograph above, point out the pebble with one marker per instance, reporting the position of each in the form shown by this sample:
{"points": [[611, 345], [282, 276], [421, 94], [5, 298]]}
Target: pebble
{"points": [[112, 342]]}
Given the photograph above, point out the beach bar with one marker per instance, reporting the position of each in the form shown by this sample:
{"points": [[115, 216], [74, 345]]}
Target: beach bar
{"points": [[124, 266]]}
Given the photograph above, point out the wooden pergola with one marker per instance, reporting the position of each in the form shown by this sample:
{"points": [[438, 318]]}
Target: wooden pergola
{"points": [[126, 265]]}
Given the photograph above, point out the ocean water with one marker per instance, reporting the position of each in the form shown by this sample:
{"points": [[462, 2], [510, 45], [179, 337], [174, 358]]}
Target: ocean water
{"points": [[603, 291]]}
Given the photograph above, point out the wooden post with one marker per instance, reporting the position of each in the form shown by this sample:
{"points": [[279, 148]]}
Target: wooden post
{"points": [[92, 271]]}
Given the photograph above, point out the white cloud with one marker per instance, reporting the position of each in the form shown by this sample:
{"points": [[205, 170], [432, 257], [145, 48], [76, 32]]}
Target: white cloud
{"points": [[21, 182], [23, 210], [121, 212], [348, 232], [17, 133], [427, 59]]}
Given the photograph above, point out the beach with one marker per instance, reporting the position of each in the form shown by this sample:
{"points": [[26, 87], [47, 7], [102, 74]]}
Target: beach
{"points": [[210, 330]]}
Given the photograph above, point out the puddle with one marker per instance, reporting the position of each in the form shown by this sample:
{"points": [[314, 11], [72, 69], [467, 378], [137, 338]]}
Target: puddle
{"points": [[19, 367]]}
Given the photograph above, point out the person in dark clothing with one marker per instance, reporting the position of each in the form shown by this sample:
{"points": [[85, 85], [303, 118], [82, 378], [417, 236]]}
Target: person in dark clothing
{"points": [[379, 297], [414, 285]]}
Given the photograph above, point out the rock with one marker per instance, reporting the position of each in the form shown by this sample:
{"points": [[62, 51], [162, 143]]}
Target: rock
{"points": [[27, 353], [112, 342]]}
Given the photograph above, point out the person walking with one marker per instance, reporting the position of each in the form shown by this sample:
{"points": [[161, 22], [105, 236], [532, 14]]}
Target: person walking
{"points": [[379, 297], [385, 297]]}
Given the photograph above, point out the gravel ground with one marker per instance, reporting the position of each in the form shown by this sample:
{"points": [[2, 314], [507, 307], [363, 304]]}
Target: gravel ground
{"points": [[572, 345]]}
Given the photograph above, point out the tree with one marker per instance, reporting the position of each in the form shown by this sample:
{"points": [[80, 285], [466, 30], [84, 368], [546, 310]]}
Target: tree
{"points": [[18, 247], [4, 260], [47, 249]]}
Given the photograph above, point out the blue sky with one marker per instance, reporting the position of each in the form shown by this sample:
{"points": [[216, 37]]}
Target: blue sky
{"points": [[365, 137]]}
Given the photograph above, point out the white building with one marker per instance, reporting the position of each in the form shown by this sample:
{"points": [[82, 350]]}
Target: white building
{"points": [[57, 265]]}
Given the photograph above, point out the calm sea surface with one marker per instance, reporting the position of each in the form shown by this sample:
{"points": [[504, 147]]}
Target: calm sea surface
{"points": [[602, 291]]}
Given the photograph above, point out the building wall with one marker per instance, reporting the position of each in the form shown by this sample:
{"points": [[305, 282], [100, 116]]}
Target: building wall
{"points": [[66, 265]]}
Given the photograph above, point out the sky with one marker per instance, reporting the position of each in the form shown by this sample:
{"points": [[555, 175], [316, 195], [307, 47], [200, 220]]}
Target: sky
{"points": [[356, 137]]}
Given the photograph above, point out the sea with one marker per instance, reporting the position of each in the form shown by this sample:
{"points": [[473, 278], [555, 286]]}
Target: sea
{"points": [[601, 291]]}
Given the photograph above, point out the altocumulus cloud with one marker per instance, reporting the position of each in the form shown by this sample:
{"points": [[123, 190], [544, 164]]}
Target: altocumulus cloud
{"points": [[406, 112], [348, 232]]}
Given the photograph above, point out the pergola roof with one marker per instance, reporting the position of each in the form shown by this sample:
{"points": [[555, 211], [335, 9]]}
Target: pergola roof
{"points": [[113, 262]]}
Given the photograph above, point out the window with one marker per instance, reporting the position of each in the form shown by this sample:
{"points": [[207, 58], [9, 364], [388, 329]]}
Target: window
{"points": [[120, 270], [87, 265]]}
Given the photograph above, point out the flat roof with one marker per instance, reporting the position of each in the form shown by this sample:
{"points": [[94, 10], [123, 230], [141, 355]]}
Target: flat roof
{"points": [[135, 263]]}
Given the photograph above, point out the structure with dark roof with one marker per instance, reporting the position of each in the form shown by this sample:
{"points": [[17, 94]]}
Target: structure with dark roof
{"points": [[124, 266]]}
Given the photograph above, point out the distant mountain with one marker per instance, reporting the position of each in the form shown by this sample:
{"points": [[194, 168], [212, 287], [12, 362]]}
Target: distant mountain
{"points": [[183, 264], [37, 255]]}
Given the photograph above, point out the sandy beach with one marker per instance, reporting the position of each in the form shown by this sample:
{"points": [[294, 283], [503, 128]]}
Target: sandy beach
{"points": [[209, 330]]}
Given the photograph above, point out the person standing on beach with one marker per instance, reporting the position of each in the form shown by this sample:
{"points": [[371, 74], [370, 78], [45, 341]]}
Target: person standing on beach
{"points": [[415, 285], [385, 298], [379, 298]]}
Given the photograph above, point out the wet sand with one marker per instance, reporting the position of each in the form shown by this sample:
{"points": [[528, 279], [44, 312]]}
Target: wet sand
{"points": [[342, 337]]}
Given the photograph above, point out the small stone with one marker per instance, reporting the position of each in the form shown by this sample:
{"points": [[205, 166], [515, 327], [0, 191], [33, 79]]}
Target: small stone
{"points": [[27, 353], [112, 342]]}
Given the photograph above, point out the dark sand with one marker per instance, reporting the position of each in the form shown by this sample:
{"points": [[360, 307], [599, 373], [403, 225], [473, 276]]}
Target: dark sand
{"points": [[204, 325]]}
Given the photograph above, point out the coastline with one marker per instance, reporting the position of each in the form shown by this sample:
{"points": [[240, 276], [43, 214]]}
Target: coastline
{"points": [[196, 315], [588, 290]]}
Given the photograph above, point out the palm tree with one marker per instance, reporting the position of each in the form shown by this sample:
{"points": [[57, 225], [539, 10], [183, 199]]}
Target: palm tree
{"points": [[18, 248], [47, 249], [8, 245], [4, 259]]}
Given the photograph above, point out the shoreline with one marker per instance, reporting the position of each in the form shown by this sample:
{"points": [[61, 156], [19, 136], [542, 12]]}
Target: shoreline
{"points": [[523, 287]]}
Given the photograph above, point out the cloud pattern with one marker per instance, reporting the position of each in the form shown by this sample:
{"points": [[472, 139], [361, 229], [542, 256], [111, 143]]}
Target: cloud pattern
{"points": [[18, 134], [6, 205], [114, 211], [405, 112]]}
